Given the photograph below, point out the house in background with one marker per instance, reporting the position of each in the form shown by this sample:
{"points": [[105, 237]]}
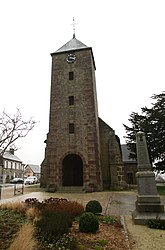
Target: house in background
{"points": [[11, 166], [32, 170], [130, 165]]}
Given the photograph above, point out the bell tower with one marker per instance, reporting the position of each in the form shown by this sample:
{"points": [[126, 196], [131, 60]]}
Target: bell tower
{"points": [[72, 153]]}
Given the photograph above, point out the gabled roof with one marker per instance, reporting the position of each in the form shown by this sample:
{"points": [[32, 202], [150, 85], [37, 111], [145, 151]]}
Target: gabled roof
{"points": [[35, 168], [105, 124], [125, 154], [8, 156], [73, 44]]}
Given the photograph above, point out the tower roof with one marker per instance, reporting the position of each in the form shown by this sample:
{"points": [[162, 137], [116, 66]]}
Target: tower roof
{"points": [[73, 44]]}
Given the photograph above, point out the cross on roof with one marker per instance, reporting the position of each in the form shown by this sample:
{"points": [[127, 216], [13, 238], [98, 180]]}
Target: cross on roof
{"points": [[74, 24]]}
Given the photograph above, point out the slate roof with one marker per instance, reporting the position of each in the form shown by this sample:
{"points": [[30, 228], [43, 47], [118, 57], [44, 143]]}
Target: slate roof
{"points": [[105, 124], [8, 156], [35, 168], [73, 44], [125, 154]]}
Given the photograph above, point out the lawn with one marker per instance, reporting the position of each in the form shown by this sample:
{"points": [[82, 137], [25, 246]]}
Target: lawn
{"points": [[161, 190]]}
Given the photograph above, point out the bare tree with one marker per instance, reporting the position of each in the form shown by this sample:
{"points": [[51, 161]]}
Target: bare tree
{"points": [[13, 127]]}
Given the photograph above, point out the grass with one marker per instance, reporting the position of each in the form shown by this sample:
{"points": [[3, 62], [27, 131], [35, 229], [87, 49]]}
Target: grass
{"points": [[102, 242], [14, 206], [24, 239], [161, 190], [10, 223]]}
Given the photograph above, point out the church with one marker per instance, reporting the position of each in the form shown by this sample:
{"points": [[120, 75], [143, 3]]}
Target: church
{"points": [[82, 152]]}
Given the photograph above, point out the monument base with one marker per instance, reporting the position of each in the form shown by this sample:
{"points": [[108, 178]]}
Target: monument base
{"points": [[149, 203], [143, 218]]}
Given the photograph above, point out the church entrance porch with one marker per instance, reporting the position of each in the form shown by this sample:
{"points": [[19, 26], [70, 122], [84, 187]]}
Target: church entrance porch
{"points": [[72, 170]]}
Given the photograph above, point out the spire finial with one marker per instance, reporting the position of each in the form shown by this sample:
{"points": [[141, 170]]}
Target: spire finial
{"points": [[74, 24]]}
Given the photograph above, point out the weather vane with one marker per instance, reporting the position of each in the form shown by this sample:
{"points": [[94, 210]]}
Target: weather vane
{"points": [[74, 24]]}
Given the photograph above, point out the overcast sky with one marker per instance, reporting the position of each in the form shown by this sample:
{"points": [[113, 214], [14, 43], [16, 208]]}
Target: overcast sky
{"points": [[128, 42]]}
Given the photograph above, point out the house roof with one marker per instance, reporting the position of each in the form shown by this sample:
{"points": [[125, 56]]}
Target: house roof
{"points": [[8, 156], [125, 154], [35, 168], [73, 44]]}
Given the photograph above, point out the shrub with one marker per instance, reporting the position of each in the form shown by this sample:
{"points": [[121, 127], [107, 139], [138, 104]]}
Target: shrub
{"points": [[98, 248], [33, 213], [18, 207], [93, 207], [81, 247], [157, 224], [52, 225], [66, 241], [88, 222], [102, 242], [73, 208], [33, 202], [107, 219]]}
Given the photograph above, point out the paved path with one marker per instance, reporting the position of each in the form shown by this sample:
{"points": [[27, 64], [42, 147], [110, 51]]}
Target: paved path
{"points": [[113, 202], [121, 203]]}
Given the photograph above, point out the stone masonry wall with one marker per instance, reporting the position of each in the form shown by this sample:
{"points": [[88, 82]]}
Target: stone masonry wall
{"points": [[104, 146], [83, 114], [116, 163]]}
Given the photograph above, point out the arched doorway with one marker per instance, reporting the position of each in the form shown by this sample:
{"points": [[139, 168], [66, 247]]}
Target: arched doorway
{"points": [[72, 170]]}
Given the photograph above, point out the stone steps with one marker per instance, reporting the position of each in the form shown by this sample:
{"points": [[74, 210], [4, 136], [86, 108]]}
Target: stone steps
{"points": [[71, 189]]}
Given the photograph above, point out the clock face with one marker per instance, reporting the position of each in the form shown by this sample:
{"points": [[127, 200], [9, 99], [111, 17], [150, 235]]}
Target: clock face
{"points": [[71, 58]]}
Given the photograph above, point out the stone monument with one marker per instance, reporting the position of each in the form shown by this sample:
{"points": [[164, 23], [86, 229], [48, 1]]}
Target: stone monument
{"points": [[148, 203]]}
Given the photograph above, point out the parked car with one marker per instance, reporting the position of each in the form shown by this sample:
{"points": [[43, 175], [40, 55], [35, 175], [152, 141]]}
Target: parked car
{"points": [[31, 180], [17, 180]]}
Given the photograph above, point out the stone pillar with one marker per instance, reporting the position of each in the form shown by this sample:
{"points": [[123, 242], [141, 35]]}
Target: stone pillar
{"points": [[148, 204]]}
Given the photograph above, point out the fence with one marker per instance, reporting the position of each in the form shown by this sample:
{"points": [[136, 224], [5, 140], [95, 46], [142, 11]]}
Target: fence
{"points": [[9, 190]]}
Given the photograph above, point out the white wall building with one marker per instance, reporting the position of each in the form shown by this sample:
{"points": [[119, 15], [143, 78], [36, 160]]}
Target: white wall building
{"points": [[11, 166]]}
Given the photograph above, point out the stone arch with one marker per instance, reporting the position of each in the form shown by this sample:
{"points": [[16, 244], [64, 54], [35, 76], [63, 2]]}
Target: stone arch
{"points": [[72, 170]]}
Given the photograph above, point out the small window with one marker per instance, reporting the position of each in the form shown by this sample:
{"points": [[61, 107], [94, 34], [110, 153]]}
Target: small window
{"points": [[130, 178], [71, 128], [71, 100], [6, 164], [71, 75]]}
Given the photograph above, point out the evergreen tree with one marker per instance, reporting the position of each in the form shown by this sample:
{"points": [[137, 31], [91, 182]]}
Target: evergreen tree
{"points": [[152, 122]]}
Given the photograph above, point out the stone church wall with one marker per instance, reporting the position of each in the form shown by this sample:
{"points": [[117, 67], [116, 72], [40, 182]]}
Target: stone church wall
{"points": [[84, 141], [111, 159], [104, 149]]}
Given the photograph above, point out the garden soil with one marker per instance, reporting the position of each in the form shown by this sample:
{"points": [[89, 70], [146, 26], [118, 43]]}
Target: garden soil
{"points": [[114, 203]]}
